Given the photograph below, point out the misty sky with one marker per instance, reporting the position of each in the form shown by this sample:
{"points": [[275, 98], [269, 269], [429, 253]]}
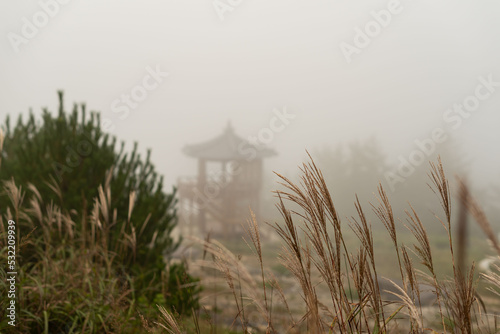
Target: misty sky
{"points": [[264, 55]]}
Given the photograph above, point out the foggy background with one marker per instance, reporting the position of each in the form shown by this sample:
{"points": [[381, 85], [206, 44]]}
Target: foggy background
{"points": [[264, 56]]}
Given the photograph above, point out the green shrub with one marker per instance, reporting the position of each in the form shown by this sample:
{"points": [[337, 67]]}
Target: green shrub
{"points": [[67, 157], [92, 238], [182, 290]]}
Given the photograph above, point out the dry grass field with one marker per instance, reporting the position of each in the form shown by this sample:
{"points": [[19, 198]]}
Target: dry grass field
{"points": [[320, 273], [342, 276]]}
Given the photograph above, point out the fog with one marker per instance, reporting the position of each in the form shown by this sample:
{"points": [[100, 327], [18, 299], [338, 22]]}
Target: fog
{"points": [[247, 61]]}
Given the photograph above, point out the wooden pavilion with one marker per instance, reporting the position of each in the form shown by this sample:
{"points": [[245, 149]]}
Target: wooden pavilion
{"points": [[228, 183]]}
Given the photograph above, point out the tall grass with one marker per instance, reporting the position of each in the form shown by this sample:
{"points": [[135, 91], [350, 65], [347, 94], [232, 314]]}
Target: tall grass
{"points": [[66, 279], [75, 279], [322, 262]]}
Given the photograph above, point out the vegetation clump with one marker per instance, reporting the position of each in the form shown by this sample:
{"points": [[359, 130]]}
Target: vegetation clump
{"points": [[341, 289], [94, 229]]}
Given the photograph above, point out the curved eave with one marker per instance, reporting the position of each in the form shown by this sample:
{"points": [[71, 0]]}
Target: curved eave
{"points": [[227, 146]]}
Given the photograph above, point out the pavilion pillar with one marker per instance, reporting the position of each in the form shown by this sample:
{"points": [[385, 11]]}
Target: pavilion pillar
{"points": [[202, 181], [225, 194], [255, 196], [223, 176]]}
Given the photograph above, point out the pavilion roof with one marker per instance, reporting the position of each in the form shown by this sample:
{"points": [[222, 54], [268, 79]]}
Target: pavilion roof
{"points": [[228, 146]]}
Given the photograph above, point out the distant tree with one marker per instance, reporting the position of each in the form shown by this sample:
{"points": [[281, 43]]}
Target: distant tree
{"points": [[358, 167], [67, 157], [352, 169], [414, 188]]}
